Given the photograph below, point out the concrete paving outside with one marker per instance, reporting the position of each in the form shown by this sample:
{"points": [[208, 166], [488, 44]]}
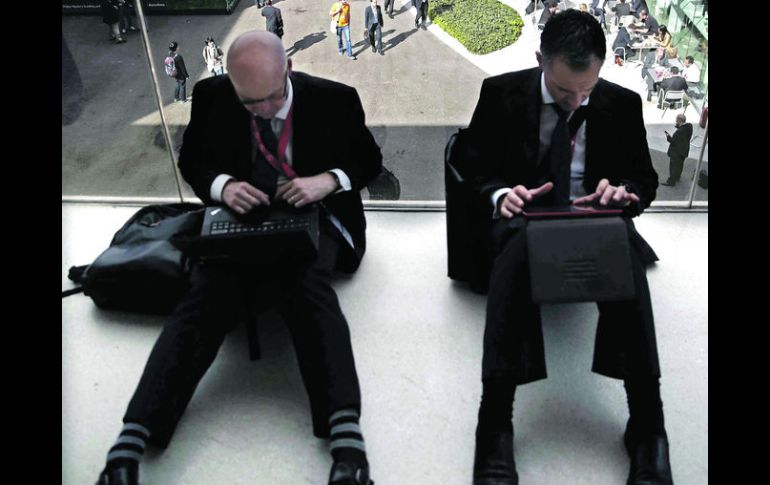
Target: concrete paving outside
{"points": [[417, 94]]}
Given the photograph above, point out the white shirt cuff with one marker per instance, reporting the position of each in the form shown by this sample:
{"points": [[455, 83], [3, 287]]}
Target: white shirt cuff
{"points": [[218, 185], [495, 197], [345, 184]]}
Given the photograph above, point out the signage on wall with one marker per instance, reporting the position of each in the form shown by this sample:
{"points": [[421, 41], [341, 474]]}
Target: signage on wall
{"points": [[156, 6]]}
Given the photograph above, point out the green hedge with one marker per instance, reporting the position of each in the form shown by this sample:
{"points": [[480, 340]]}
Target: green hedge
{"points": [[482, 26]]}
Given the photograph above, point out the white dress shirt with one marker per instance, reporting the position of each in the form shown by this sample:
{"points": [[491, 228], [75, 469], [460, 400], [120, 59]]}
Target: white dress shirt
{"points": [[548, 120], [276, 123]]}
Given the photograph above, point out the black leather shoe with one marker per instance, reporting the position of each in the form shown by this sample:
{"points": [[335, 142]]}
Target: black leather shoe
{"points": [[493, 462], [120, 475], [349, 473], [649, 458], [668, 184]]}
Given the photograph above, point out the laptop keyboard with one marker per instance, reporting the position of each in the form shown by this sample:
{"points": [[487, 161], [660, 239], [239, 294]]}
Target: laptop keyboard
{"points": [[230, 227]]}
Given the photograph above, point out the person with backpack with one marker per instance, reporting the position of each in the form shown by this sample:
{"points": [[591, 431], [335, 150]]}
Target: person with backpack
{"points": [[175, 68], [257, 138], [213, 55]]}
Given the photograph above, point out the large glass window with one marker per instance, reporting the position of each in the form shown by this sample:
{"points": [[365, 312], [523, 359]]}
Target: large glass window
{"points": [[122, 128]]}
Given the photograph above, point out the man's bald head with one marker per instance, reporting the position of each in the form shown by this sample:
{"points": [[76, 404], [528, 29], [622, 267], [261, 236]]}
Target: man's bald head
{"points": [[681, 119], [257, 64]]}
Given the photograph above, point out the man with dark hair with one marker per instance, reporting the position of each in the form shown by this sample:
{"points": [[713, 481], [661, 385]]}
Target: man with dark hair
{"points": [[649, 26], [373, 23], [539, 136], [691, 72], [678, 149], [257, 139], [273, 19], [673, 83], [180, 92]]}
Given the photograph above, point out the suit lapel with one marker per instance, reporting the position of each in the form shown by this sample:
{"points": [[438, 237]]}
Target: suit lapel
{"points": [[598, 125], [531, 98], [299, 124]]}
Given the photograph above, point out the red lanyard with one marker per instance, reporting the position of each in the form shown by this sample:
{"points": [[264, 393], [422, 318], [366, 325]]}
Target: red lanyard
{"points": [[280, 165]]}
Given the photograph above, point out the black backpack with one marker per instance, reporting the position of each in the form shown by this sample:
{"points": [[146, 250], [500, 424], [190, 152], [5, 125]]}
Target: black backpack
{"points": [[469, 251], [141, 270], [703, 178]]}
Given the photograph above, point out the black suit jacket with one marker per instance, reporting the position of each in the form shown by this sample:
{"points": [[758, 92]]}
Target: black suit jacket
{"points": [[501, 146], [674, 83], [679, 144], [329, 132], [273, 19], [369, 17]]}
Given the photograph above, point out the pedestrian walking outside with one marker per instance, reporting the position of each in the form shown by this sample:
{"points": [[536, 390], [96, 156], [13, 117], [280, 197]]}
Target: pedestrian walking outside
{"points": [[273, 19], [212, 56], [340, 12], [179, 72]]}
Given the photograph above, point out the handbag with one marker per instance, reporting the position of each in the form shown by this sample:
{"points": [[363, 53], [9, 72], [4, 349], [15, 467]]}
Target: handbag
{"points": [[141, 270], [333, 26]]}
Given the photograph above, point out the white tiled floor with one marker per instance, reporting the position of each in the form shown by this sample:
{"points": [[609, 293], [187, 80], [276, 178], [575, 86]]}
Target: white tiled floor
{"points": [[417, 341]]}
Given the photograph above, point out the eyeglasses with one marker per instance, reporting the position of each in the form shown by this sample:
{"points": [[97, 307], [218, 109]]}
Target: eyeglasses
{"points": [[276, 96]]}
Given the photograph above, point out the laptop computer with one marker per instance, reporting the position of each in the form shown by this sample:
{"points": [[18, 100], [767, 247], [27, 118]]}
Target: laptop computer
{"points": [[578, 259], [266, 236]]}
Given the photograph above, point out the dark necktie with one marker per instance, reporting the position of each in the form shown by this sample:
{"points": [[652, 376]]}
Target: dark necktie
{"points": [[264, 175], [559, 159], [560, 153]]}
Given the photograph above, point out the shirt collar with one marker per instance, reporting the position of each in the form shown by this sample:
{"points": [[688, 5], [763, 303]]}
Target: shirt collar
{"points": [[284, 112], [548, 99]]}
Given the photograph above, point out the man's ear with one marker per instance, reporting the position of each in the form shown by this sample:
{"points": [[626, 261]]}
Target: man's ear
{"points": [[539, 57], [288, 66]]}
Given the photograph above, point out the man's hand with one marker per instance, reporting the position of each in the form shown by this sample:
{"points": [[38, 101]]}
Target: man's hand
{"points": [[514, 201], [608, 195], [301, 191], [242, 196]]}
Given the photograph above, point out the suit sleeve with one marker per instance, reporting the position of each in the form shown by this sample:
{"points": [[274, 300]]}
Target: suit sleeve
{"points": [[363, 161], [482, 155], [680, 143], [193, 163], [642, 178]]}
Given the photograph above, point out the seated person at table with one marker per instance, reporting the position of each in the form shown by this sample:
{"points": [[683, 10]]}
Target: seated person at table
{"points": [[666, 43], [648, 25], [674, 83], [623, 39], [691, 72], [621, 9]]}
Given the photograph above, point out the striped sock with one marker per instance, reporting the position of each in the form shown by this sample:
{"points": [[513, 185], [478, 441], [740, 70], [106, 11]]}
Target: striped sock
{"points": [[347, 441], [129, 447]]}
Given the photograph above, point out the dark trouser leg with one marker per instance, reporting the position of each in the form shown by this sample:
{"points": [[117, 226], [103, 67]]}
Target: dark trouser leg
{"points": [[378, 37], [513, 352], [184, 351], [371, 36], [675, 167], [625, 337], [513, 337], [321, 336]]}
